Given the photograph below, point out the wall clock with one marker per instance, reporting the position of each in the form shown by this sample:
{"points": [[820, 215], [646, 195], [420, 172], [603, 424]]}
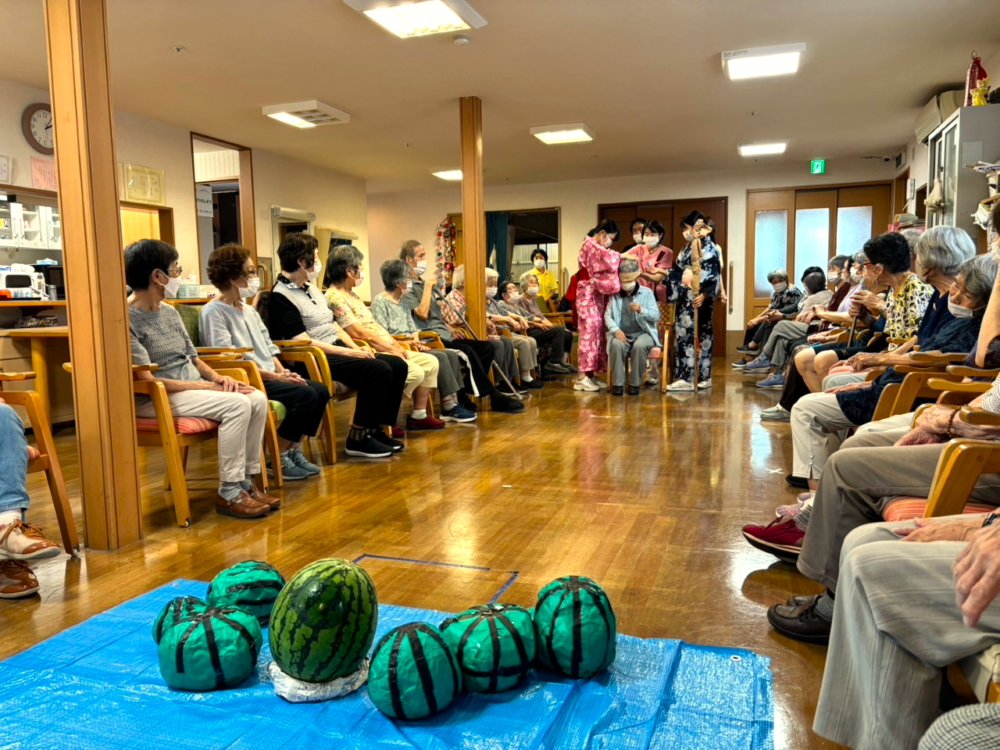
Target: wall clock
{"points": [[36, 122]]}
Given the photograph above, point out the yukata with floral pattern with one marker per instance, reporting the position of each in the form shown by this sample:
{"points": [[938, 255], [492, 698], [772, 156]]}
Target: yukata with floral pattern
{"points": [[601, 264], [711, 272]]}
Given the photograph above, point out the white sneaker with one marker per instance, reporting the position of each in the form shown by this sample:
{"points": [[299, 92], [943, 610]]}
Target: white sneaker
{"points": [[585, 384], [601, 383], [704, 385], [680, 385]]}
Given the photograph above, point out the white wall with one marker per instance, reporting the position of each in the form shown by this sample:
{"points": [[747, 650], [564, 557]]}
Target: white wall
{"points": [[394, 218]]}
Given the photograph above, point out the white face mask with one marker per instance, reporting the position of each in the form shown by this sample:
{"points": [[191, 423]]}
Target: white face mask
{"points": [[957, 311], [780, 287], [421, 267], [628, 287], [540, 264], [532, 291], [314, 274], [856, 278], [491, 291], [409, 286], [361, 278], [832, 277], [172, 287], [652, 241], [688, 235], [514, 296], [253, 286], [637, 238], [608, 242]]}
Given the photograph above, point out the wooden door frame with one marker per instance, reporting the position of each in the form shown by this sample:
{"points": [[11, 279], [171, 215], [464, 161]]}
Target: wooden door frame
{"points": [[166, 216], [248, 226]]}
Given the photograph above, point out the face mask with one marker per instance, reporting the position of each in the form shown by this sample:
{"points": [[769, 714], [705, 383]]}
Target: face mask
{"points": [[533, 291], [491, 291], [780, 287], [652, 241], [833, 277], [314, 274], [608, 242], [172, 287], [957, 311], [857, 278], [421, 267], [514, 296], [253, 286], [637, 238], [628, 287], [361, 278], [540, 264]]}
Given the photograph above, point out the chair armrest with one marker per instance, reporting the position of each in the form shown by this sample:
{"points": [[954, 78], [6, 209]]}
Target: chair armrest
{"points": [[920, 410], [251, 370], [7, 376], [873, 374], [937, 358], [950, 386], [223, 350], [235, 374], [226, 357], [316, 364], [291, 343], [972, 372], [929, 367], [980, 417]]}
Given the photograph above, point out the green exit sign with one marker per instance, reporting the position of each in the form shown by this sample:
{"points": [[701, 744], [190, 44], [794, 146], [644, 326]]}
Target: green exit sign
{"points": [[817, 166]]}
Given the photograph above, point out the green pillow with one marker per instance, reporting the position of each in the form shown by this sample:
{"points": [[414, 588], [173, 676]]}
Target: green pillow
{"points": [[250, 585], [575, 627], [215, 649], [280, 411], [176, 610], [190, 317], [494, 645], [413, 672]]}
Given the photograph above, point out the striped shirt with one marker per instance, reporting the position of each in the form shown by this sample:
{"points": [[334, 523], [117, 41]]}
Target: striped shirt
{"points": [[308, 301], [159, 338], [221, 324]]}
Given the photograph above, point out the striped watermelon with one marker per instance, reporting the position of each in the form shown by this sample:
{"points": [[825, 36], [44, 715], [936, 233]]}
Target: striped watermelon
{"points": [[575, 627], [494, 645], [323, 621], [249, 585]]}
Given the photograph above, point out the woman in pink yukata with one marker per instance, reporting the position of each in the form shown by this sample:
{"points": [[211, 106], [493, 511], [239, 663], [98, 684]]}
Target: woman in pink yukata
{"points": [[601, 263], [655, 259]]}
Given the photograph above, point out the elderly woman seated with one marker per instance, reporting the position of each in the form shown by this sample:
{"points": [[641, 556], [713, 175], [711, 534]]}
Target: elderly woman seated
{"points": [[453, 310], [228, 321], [784, 298], [503, 317], [630, 319], [395, 317], [523, 299], [347, 272]]}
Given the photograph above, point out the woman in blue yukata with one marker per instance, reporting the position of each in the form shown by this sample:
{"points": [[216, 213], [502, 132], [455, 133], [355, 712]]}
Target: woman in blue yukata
{"points": [[687, 302]]}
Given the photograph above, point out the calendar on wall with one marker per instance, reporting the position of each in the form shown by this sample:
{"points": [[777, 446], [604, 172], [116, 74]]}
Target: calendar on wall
{"points": [[143, 184]]}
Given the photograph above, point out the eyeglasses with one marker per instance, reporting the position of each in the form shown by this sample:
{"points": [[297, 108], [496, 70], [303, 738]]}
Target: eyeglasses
{"points": [[249, 275], [175, 271]]}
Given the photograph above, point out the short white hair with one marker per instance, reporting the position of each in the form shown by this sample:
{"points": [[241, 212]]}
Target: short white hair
{"points": [[458, 277], [491, 274], [526, 278]]}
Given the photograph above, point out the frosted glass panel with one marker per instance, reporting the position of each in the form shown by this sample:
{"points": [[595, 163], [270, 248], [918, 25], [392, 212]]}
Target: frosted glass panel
{"points": [[770, 248], [812, 239], [854, 229]]}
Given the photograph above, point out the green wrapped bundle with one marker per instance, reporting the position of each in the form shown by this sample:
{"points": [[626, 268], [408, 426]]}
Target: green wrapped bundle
{"points": [[249, 585], [323, 621], [494, 645], [413, 672], [575, 627], [177, 609], [214, 649]]}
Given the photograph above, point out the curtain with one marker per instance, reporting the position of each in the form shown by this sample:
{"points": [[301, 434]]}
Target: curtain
{"points": [[497, 250]]}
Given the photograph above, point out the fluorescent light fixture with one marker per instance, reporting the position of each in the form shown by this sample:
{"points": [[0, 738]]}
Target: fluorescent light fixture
{"points": [[761, 149], [454, 175], [762, 62], [576, 132], [410, 18], [307, 114]]}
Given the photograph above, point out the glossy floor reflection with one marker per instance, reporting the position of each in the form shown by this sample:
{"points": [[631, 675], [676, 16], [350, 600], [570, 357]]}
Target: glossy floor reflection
{"points": [[645, 494]]}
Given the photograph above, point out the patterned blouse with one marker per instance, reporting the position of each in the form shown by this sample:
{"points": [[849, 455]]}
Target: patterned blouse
{"points": [[788, 297], [905, 309], [394, 316], [456, 299], [348, 309]]}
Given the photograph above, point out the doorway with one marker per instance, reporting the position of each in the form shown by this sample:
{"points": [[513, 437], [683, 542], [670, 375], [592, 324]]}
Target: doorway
{"points": [[512, 237]]}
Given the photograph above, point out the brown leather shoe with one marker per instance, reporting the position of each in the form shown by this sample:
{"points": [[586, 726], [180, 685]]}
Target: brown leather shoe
{"points": [[16, 580], [273, 503], [243, 506], [22, 541]]}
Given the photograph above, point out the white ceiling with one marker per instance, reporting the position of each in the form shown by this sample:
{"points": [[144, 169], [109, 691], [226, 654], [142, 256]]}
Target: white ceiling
{"points": [[644, 74]]}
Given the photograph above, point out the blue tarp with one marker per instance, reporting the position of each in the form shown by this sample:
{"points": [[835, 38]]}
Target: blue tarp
{"points": [[98, 686]]}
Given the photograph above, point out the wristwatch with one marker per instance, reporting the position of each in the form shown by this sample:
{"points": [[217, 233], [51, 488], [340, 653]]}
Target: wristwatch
{"points": [[988, 521]]}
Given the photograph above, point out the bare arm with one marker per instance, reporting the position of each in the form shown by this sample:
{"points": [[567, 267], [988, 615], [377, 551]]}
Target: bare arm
{"points": [[179, 386], [423, 310], [388, 346]]}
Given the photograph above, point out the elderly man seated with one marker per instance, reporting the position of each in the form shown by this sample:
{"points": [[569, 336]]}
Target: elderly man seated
{"points": [[19, 541], [630, 318]]}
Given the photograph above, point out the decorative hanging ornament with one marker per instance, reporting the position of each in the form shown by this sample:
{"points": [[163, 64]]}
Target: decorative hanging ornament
{"points": [[972, 79]]}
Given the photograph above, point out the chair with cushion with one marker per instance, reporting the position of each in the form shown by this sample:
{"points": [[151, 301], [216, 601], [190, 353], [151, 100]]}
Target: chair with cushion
{"points": [[42, 456]]}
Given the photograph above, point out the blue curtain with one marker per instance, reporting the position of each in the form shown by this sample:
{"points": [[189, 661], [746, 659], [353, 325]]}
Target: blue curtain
{"points": [[497, 252]]}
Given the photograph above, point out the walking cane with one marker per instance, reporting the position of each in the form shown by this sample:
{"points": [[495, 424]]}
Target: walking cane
{"points": [[472, 333], [850, 338]]}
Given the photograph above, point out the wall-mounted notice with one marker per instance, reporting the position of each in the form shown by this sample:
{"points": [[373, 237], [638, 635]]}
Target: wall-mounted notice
{"points": [[43, 174], [204, 198]]}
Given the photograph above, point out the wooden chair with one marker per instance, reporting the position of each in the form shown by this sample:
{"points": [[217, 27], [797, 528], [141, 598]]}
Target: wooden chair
{"points": [[42, 456], [667, 315]]}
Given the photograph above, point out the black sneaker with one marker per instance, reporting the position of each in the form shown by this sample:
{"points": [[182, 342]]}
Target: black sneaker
{"points": [[391, 443], [505, 404], [800, 483], [367, 447], [467, 403], [747, 350], [532, 385]]}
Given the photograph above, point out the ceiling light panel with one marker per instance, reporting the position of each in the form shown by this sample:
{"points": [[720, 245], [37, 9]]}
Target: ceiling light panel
{"points": [[762, 149], [762, 62], [453, 175], [411, 18], [307, 114], [550, 135]]}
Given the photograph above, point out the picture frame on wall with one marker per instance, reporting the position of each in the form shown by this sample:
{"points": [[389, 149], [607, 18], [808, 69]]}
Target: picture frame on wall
{"points": [[143, 185]]}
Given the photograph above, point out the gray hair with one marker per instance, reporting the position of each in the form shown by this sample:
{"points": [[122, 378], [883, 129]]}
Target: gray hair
{"points": [[525, 279], [978, 276], [944, 249], [628, 265], [860, 257], [458, 277], [491, 274], [778, 274], [912, 236], [394, 272]]}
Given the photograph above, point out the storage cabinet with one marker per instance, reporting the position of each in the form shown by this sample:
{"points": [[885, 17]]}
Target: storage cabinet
{"points": [[30, 225]]}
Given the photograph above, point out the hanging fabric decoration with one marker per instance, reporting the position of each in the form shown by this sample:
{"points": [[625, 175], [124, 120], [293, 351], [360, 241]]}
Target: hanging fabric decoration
{"points": [[972, 80], [445, 236]]}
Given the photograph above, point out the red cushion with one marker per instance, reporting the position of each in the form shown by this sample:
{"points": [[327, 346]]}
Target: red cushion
{"points": [[908, 508], [183, 425], [33, 453]]}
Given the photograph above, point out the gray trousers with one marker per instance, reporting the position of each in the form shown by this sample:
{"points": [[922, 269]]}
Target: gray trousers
{"points": [[527, 352], [449, 380], [505, 358], [637, 350], [818, 428], [858, 483], [895, 628], [781, 339]]}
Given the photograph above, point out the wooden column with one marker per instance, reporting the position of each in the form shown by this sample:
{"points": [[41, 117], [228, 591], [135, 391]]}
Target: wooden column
{"points": [[83, 116], [473, 213], [248, 219]]}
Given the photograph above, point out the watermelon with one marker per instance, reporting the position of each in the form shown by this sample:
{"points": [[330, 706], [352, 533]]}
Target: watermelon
{"points": [[413, 673], [249, 585], [177, 609], [575, 627], [210, 650], [323, 621], [494, 645]]}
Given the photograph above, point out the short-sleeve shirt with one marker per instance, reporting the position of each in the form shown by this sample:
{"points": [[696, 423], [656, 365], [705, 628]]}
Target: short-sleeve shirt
{"points": [[905, 309], [348, 309], [394, 316], [547, 283], [159, 338], [221, 324], [435, 321]]}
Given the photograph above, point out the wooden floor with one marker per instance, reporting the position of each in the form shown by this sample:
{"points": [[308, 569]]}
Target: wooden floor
{"points": [[644, 494]]}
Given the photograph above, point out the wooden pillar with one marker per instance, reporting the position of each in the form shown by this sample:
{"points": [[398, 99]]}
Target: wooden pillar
{"points": [[83, 116], [248, 219], [473, 213]]}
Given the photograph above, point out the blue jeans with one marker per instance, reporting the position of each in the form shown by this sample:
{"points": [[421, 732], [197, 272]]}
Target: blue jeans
{"points": [[13, 462]]}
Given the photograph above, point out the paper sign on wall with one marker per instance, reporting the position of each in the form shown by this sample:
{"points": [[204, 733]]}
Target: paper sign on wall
{"points": [[43, 174], [204, 198]]}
